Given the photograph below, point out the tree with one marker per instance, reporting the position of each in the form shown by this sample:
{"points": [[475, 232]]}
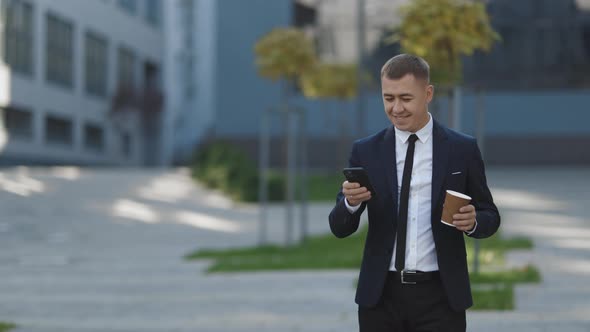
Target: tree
{"points": [[330, 81], [285, 54], [442, 31], [338, 81]]}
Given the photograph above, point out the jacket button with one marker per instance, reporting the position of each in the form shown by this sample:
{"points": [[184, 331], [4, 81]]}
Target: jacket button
{"points": [[389, 251]]}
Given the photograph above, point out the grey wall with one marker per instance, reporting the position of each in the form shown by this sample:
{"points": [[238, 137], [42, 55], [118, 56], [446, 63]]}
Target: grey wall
{"points": [[241, 94], [538, 128], [523, 127], [515, 114]]}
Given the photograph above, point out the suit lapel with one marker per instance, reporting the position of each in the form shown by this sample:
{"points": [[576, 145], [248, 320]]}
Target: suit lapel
{"points": [[390, 167], [440, 161]]}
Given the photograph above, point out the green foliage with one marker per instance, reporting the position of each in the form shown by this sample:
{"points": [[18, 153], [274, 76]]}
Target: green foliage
{"points": [[324, 251], [317, 252], [441, 31], [6, 326], [324, 187], [492, 249], [222, 166], [331, 81], [216, 166], [527, 273], [493, 297], [284, 53]]}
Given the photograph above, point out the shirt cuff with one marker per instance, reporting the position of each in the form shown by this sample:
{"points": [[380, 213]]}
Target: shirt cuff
{"points": [[351, 209], [471, 231]]}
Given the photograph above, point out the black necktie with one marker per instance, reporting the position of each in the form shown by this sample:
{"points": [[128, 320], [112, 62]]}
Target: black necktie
{"points": [[402, 220]]}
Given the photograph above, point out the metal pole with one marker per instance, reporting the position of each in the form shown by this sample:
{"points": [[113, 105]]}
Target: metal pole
{"points": [[263, 156], [480, 138], [450, 101], [361, 44], [303, 173], [290, 169], [291, 164], [480, 120], [457, 99]]}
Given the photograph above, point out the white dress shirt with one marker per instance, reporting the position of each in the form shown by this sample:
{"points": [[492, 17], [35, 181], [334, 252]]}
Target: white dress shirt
{"points": [[420, 250]]}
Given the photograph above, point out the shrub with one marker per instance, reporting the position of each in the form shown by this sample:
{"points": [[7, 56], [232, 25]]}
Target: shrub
{"points": [[222, 166]]}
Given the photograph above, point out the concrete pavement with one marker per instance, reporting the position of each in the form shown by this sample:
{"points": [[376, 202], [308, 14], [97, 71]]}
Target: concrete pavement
{"points": [[550, 206], [101, 250]]}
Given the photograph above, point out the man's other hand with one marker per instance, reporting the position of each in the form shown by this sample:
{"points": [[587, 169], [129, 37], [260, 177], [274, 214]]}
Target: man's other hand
{"points": [[465, 219]]}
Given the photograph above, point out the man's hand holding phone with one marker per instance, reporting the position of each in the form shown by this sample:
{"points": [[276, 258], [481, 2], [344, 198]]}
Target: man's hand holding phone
{"points": [[354, 193], [357, 188]]}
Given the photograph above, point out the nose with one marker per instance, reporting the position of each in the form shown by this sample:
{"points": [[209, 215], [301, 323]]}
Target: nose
{"points": [[397, 107]]}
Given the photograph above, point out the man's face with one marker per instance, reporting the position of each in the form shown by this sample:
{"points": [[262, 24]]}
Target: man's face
{"points": [[406, 102]]}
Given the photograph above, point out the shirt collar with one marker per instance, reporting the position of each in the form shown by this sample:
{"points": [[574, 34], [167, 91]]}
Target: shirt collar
{"points": [[423, 134]]}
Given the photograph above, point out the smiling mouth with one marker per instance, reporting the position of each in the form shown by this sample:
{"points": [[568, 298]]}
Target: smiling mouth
{"points": [[400, 116]]}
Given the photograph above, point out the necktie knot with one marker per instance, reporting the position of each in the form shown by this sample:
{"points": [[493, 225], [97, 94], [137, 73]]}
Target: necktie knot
{"points": [[413, 138]]}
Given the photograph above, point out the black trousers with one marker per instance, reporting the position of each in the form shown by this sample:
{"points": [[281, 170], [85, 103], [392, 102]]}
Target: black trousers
{"points": [[422, 307]]}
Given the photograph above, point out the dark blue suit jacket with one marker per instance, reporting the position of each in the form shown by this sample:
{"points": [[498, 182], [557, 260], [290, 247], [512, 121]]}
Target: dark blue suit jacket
{"points": [[452, 152]]}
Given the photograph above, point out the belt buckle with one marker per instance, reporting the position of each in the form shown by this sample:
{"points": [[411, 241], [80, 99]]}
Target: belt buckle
{"points": [[403, 275]]}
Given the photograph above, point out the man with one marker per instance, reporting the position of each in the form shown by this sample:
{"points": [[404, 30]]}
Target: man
{"points": [[414, 274]]}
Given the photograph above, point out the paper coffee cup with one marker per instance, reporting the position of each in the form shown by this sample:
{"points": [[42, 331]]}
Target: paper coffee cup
{"points": [[453, 202]]}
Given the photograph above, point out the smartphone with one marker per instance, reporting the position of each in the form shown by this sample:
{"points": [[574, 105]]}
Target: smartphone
{"points": [[359, 175]]}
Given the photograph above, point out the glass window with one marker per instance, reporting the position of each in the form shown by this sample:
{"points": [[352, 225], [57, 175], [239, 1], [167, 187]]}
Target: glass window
{"points": [[17, 43], [60, 51], [58, 130], [187, 22], [18, 123], [187, 63], [126, 68], [153, 9], [188, 77], [129, 6], [126, 145], [96, 64], [93, 137]]}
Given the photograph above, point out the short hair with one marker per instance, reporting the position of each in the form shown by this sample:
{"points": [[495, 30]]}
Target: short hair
{"points": [[403, 64]]}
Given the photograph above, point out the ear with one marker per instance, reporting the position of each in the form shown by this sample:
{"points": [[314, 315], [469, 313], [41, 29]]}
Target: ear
{"points": [[429, 93]]}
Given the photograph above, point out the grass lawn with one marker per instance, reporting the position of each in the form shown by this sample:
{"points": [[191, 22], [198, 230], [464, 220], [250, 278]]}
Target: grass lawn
{"points": [[318, 252], [496, 297], [492, 285], [6, 326], [329, 252]]}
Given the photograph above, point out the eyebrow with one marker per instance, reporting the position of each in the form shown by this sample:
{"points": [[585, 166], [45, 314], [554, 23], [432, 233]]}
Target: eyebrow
{"points": [[401, 96]]}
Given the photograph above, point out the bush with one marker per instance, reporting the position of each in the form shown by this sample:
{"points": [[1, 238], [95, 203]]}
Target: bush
{"points": [[222, 166], [6, 326]]}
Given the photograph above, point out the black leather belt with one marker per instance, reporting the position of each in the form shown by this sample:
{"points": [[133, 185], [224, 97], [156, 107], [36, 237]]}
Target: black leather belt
{"points": [[413, 277]]}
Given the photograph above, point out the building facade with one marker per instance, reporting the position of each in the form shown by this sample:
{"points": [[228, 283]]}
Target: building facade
{"points": [[189, 79], [80, 81], [545, 45], [525, 101], [145, 82], [211, 83]]}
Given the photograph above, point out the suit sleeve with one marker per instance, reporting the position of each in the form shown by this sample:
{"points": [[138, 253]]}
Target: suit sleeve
{"points": [[488, 217], [342, 222]]}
